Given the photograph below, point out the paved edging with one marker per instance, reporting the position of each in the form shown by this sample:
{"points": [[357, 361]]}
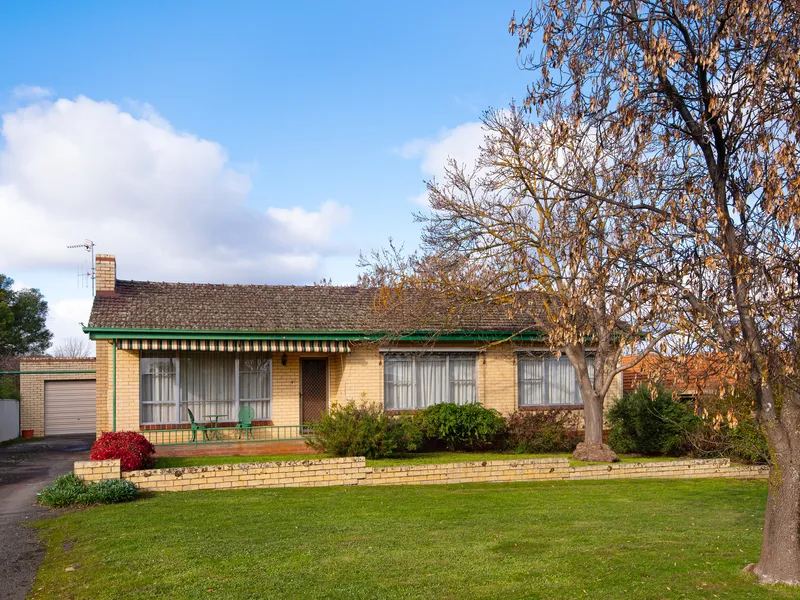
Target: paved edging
{"points": [[353, 471]]}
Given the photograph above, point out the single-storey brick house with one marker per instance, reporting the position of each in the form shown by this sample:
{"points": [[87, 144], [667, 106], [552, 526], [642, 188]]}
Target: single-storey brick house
{"points": [[290, 352]]}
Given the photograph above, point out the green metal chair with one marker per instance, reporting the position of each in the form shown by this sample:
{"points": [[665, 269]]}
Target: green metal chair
{"points": [[196, 428], [245, 424]]}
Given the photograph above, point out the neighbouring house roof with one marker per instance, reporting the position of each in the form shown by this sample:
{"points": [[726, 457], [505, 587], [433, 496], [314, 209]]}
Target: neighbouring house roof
{"points": [[700, 373], [344, 311]]}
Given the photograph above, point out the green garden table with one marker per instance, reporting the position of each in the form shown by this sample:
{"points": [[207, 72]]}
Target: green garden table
{"points": [[215, 428]]}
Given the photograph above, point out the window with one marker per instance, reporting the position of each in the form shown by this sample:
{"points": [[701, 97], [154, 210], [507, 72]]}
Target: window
{"points": [[158, 384], [544, 380], [416, 381], [255, 376], [207, 383]]}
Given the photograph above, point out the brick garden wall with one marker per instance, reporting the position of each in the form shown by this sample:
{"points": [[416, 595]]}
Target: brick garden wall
{"points": [[470, 472], [353, 471]]}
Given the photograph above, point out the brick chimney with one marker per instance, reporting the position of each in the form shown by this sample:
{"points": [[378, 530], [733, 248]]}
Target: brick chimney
{"points": [[105, 275]]}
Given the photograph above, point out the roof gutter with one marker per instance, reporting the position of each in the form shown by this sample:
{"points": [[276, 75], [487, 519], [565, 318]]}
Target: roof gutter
{"points": [[109, 333]]}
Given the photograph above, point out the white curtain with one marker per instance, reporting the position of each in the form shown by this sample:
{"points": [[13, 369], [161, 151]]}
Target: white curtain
{"points": [[207, 385], [531, 382], [462, 380], [543, 380], [431, 380], [417, 381], [254, 384], [561, 382], [158, 371], [398, 383]]}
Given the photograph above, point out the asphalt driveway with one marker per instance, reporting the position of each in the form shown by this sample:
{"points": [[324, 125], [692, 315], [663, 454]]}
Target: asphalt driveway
{"points": [[25, 468]]}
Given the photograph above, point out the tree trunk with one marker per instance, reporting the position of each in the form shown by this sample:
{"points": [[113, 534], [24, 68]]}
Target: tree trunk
{"points": [[780, 547], [593, 420], [592, 449]]}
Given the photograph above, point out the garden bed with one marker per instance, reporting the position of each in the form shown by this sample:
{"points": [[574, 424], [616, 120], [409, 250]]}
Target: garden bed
{"points": [[422, 458]]}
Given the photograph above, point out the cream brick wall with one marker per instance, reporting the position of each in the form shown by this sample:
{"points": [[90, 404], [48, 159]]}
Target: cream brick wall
{"points": [[127, 388], [497, 378], [355, 376], [97, 470], [31, 404], [360, 374], [103, 412], [353, 471], [286, 390]]}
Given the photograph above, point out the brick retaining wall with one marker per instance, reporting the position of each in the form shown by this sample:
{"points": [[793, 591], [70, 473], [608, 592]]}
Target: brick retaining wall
{"points": [[353, 471], [531, 469], [673, 469]]}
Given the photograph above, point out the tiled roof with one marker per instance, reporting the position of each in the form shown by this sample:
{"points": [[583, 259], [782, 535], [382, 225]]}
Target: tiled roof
{"points": [[683, 374], [270, 308]]}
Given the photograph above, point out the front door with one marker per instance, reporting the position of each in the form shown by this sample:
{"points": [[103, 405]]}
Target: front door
{"points": [[313, 388]]}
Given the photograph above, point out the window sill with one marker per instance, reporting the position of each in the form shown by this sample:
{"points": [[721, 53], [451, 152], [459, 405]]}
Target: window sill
{"points": [[550, 407]]}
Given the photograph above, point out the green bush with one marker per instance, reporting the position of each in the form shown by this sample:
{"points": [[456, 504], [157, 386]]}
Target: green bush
{"points": [[8, 388], [461, 426], [365, 430], [68, 490], [542, 432], [646, 423], [743, 443]]}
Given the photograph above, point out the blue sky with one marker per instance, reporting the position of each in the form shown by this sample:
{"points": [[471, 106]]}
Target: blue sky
{"points": [[235, 142]]}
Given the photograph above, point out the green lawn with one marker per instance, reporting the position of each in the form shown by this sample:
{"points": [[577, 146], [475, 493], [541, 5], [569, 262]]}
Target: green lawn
{"points": [[423, 458], [595, 539]]}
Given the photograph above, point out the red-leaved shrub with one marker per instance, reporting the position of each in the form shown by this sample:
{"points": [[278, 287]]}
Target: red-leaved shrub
{"points": [[132, 449]]}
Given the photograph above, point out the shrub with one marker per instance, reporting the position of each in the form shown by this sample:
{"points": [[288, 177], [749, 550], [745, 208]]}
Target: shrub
{"points": [[133, 449], [68, 490], [744, 443], [111, 491], [365, 430], [542, 431], [643, 422], [8, 388], [461, 426]]}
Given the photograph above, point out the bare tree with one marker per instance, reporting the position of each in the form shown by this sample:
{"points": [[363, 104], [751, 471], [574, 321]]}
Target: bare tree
{"points": [[498, 235], [696, 105], [72, 348]]}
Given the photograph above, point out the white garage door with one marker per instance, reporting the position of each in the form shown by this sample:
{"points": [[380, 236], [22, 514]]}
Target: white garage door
{"points": [[69, 407]]}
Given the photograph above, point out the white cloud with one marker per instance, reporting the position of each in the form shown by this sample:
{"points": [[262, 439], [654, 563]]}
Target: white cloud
{"points": [[315, 227], [65, 316], [167, 203], [30, 92], [461, 143]]}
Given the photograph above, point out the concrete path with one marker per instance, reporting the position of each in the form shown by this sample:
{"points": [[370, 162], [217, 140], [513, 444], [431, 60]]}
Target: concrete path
{"points": [[25, 468]]}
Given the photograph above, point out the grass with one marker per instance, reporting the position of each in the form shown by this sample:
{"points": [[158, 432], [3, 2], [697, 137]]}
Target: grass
{"points": [[423, 458], [595, 539]]}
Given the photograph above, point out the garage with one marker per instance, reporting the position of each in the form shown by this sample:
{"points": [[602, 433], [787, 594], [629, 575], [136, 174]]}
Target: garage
{"points": [[69, 407]]}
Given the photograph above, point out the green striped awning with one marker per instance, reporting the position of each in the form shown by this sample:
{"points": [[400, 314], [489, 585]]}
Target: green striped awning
{"points": [[236, 345]]}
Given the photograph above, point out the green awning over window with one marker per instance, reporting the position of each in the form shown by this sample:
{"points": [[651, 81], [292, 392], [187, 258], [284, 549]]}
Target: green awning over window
{"points": [[236, 345]]}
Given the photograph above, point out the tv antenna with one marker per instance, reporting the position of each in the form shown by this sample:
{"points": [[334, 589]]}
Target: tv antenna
{"points": [[86, 275]]}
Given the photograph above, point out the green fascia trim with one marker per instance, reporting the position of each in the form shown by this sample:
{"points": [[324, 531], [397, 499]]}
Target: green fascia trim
{"points": [[47, 372], [103, 333], [459, 336]]}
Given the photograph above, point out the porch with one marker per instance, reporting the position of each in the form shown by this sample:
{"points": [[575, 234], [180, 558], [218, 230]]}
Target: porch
{"points": [[162, 387], [231, 441]]}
